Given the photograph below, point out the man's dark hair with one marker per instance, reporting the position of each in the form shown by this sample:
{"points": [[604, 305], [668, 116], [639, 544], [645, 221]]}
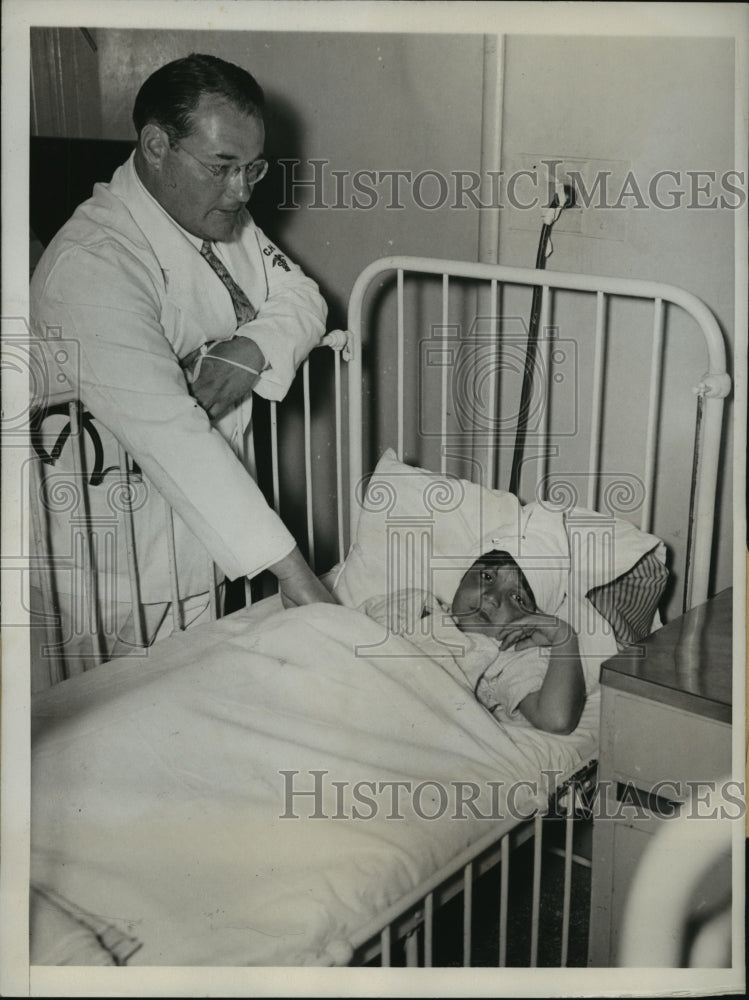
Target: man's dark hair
{"points": [[170, 95]]}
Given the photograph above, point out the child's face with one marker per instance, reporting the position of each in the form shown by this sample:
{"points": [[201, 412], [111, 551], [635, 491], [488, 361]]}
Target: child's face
{"points": [[489, 596]]}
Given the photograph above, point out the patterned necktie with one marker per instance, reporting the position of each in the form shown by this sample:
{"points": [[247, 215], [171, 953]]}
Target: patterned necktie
{"points": [[243, 308]]}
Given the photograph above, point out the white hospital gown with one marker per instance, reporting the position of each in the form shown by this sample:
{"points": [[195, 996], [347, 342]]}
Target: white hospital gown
{"points": [[499, 679]]}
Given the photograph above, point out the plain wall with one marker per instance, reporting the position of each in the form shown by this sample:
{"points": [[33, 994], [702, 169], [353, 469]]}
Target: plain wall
{"points": [[655, 104]]}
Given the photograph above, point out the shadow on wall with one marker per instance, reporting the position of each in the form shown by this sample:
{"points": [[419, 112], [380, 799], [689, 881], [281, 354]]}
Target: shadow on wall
{"points": [[62, 174], [286, 139]]}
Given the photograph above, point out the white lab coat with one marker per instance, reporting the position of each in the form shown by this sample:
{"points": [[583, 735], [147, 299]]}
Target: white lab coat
{"points": [[128, 294]]}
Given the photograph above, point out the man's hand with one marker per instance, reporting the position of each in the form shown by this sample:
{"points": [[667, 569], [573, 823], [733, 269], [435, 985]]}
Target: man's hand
{"points": [[226, 373], [297, 583]]}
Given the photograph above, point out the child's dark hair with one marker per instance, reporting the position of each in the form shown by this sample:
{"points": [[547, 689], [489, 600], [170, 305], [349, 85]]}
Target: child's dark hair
{"points": [[500, 559]]}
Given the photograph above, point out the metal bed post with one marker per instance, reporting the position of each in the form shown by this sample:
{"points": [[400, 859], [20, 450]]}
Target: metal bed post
{"points": [[713, 388], [90, 581], [443, 395], [308, 463], [545, 422], [400, 342], [132, 563], [594, 452], [177, 624], [52, 649], [651, 436], [246, 451]]}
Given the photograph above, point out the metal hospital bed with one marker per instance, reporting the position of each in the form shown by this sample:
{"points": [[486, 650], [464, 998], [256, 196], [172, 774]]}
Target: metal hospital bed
{"points": [[442, 380]]}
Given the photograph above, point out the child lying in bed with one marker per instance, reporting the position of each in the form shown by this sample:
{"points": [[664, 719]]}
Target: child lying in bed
{"points": [[495, 599], [525, 661]]}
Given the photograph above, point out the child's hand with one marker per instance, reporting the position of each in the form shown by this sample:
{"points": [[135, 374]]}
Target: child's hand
{"points": [[533, 629]]}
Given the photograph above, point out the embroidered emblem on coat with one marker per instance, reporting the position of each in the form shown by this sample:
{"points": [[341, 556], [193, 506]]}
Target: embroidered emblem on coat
{"points": [[278, 258]]}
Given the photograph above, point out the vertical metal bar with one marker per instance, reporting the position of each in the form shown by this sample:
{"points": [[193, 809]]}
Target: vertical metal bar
{"points": [[467, 913], [596, 417], [687, 592], [132, 564], [428, 929], [490, 416], [400, 363], [90, 594], [656, 362], [212, 602], [172, 559], [51, 645], [385, 947], [707, 471], [412, 949], [339, 454], [443, 397], [245, 449], [504, 886], [569, 822], [545, 369], [107, 553], [308, 464], [274, 455], [536, 899], [354, 403]]}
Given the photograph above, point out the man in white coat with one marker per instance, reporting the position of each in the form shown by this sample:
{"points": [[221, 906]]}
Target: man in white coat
{"points": [[181, 308]]}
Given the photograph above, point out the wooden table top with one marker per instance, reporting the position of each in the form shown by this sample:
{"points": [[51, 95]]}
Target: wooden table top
{"points": [[687, 663]]}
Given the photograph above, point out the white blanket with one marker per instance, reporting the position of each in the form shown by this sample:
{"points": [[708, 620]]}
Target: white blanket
{"points": [[158, 797]]}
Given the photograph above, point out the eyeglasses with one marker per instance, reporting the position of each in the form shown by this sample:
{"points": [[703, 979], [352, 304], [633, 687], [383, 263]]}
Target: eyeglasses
{"points": [[223, 174]]}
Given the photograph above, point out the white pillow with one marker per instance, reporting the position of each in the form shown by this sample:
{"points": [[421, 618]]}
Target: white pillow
{"points": [[419, 529]]}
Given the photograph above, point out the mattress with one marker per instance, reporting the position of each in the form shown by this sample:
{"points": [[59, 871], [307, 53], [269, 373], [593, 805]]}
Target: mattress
{"points": [[254, 792]]}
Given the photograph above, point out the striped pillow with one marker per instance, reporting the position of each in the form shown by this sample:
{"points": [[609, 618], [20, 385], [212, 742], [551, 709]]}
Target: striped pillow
{"points": [[630, 602]]}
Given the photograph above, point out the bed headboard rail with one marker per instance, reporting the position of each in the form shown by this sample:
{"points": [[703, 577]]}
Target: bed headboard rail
{"points": [[445, 336]]}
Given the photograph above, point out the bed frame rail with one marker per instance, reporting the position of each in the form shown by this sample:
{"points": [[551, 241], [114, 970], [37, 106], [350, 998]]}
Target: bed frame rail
{"points": [[406, 933], [711, 388]]}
